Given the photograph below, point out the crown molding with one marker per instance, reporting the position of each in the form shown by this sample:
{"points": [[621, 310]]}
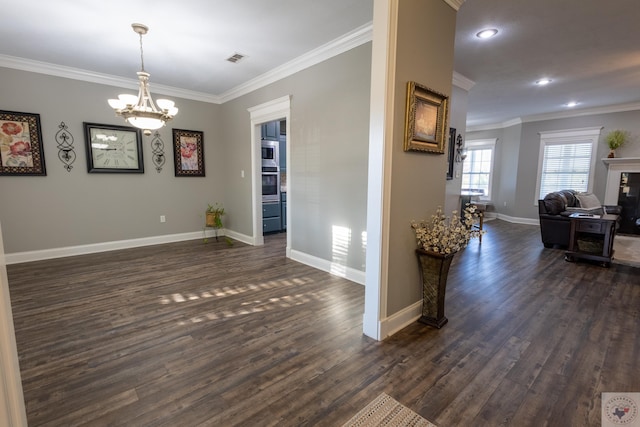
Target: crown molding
{"points": [[490, 126], [462, 82], [355, 38], [352, 39], [455, 4], [99, 78], [619, 108]]}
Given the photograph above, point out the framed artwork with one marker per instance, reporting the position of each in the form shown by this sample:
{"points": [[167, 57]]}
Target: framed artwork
{"points": [[113, 149], [426, 119], [452, 149], [188, 152], [21, 150]]}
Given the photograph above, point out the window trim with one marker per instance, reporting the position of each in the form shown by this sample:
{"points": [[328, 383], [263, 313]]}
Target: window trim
{"points": [[479, 144], [568, 136]]}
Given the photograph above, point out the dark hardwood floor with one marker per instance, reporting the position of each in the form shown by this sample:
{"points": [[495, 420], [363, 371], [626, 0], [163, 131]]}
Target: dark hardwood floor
{"points": [[193, 334]]}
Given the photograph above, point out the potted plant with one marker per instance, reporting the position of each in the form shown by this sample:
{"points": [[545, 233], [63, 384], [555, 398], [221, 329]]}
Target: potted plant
{"points": [[616, 139], [439, 239], [213, 217]]}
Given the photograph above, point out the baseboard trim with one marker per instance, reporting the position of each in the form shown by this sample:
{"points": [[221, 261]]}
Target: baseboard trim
{"points": [[29, 256], [328, 266], [400, 320], [518, 220]]}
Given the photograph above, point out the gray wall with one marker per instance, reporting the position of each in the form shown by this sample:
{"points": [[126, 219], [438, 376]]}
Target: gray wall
{"points": [[517, 152], [329, 150], [457, 120], [418, 179], [74, 208], [329, 132]]}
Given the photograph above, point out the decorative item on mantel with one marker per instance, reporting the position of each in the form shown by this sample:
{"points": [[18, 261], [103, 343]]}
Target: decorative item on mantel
{"points": [[616, 139], [439, 239], [140, 111]]}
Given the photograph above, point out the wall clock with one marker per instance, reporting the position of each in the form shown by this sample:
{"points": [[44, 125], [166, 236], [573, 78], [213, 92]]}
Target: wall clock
{"points": [[113, 149]]}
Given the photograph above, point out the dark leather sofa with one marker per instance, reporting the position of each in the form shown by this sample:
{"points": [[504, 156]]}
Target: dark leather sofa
{"points": [[554, 211]]}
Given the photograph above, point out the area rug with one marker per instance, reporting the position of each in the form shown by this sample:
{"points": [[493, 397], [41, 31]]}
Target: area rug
{"points": [[626, 250], [385, 411]]}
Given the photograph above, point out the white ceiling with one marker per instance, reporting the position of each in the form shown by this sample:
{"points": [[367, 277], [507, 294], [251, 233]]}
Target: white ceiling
{"points": [[590, 48]]}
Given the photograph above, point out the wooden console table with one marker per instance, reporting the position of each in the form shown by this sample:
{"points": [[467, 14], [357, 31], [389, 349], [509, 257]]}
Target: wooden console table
{"points": [[592, 238]]}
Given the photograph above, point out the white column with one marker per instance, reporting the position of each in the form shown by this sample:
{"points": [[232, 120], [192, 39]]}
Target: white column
{"points": [[12, 410]]}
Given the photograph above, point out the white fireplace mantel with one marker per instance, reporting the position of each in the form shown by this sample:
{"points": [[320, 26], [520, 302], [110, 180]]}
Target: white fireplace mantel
{"points": [[616, 166]]}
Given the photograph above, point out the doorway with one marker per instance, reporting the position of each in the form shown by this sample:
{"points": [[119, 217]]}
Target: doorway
{"points": [[274, 176], [266, 115]]}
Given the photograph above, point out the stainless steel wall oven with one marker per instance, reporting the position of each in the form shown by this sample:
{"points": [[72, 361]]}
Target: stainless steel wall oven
{"points": [[270, 171]]}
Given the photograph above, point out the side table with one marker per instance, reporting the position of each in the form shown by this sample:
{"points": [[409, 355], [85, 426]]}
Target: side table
{"points": [[592, 237]]}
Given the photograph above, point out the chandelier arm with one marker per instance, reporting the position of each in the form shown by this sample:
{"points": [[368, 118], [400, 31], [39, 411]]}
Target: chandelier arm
{"points": [[141, 54]]}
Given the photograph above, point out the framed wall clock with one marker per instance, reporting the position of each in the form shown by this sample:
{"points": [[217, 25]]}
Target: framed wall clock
{"points": [[113, 149]]}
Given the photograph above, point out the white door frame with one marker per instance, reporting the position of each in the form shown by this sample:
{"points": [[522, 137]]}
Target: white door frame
{"points": [[276, 109]]}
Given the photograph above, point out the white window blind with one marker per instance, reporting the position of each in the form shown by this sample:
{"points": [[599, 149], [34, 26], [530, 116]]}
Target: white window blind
{"points": [[565, 167], [566, 160]]}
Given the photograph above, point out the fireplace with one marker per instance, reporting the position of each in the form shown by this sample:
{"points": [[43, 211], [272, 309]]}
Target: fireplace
{"points": [[629, 200], [622, 189]]}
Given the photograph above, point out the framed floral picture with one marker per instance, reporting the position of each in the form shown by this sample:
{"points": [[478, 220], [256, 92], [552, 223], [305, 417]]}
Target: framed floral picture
{"points": [[426, 119], [21, 151], [188, 152]]}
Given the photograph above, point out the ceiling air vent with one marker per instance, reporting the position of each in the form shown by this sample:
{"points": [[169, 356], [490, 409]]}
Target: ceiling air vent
{"points": [[235, 58]]}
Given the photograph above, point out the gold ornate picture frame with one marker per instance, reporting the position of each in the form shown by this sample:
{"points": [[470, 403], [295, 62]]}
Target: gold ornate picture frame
{"points": [[426, 119]]}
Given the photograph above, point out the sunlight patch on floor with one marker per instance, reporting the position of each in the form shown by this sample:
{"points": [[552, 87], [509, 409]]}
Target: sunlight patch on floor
{"points": [[250, 306], [231, 291], [259, 306]]}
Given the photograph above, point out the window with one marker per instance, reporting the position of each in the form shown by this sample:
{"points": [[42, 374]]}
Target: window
{"points": [[477, 169], [566, 160]]}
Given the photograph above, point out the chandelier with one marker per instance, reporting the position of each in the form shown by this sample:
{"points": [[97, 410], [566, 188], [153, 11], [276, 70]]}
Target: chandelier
{"points": [[140, 111]]}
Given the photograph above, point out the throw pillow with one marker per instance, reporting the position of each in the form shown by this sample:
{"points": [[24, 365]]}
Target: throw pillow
{"points": [[588, 201], [554, 203]]}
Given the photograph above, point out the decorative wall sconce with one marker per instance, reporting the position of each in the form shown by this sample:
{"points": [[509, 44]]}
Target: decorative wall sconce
{"points": [[460, 154], [66, 151]]}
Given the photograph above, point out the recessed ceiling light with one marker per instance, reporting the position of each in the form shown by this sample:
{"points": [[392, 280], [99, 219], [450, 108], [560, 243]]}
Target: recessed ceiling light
{"points": [[487, 34], [543, 82], [571, 104]]}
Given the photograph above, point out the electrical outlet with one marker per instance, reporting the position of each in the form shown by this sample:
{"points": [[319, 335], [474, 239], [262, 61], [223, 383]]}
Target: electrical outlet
{"points": [[163, 218], [505, 204], [242, 174]]}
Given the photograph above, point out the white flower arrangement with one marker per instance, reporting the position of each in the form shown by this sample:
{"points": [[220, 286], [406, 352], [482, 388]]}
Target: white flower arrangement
{"points": [[447, 235]]}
